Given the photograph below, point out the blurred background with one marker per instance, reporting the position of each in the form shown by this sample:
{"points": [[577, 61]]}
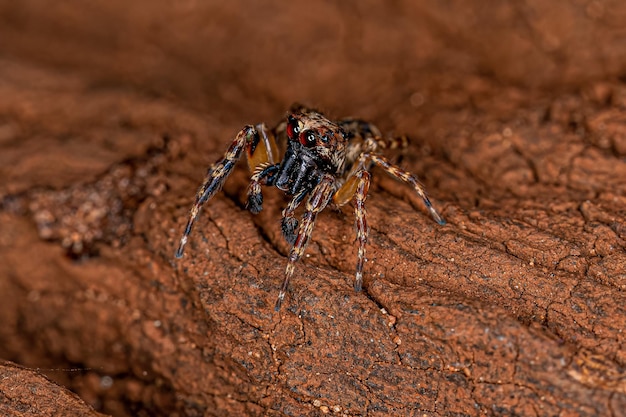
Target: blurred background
{"points": [[245, 60]]}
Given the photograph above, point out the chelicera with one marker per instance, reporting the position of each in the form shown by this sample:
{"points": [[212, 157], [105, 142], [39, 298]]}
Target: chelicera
{"points": [[320, 161]]}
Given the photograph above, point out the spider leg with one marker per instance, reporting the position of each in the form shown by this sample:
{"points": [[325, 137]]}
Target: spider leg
{"points": [[395, 142], [320, 196], [357, 187], [397, 172], [263, 150], [260, 149], [289, 224], [264, 174]]}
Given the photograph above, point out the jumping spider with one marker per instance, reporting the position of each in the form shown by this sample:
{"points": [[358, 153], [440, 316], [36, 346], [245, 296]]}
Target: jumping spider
{"points": [[324, 160]]}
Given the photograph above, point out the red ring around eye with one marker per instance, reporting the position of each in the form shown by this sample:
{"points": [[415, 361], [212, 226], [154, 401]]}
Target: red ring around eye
{"points": [[292, 128], [308, 139]]}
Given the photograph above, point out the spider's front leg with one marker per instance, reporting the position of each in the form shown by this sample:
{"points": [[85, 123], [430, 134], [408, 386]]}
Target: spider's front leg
{"points": [[263, 175], [320, 196], [357, 187], [261, 150], [289, 224], [266, 175]]}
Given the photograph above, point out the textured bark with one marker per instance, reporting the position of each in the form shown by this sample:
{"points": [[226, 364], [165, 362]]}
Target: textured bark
{"points": [[110, 114], [24, 392]]}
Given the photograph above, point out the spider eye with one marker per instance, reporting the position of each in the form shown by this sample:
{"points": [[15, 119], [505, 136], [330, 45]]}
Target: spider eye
{"points": [[293, 128], [308, 139]]}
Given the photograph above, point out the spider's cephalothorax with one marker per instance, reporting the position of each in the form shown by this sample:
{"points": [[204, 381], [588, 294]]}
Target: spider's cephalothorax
{"points": [[315, 147], [322, 161]]}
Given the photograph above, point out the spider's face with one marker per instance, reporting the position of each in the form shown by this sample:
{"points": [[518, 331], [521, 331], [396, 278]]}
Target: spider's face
{"points": [[316, 146], [319, 138]]}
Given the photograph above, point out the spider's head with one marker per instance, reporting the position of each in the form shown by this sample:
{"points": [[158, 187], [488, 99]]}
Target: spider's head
{"points": [[316, 146], [316, 136]]}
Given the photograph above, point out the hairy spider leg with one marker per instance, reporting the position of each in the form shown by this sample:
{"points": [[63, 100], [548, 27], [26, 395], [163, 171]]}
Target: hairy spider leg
{"points": [[289, 223], [397, 172], [260, 149], [264, 150], [356, 187], [265, 174], [396, 142], [356, 148], [366, 137], [320, 196]]}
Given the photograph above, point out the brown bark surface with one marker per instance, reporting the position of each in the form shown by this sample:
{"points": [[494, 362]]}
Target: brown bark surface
{"points": [[27, 393], [110, 113]]}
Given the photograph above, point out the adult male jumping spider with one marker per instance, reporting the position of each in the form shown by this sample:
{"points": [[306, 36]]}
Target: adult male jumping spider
{"points": [[310, 156]]}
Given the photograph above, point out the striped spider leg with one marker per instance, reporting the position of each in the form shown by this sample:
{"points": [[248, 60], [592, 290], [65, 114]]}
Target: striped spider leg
{"points": [[261, 152]]}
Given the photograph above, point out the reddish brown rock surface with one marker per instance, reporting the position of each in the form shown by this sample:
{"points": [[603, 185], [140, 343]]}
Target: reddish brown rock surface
{"points": [[110, 113]]}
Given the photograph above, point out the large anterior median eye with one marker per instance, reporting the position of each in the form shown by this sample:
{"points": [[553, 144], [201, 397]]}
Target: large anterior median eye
{"points": [[308, 139], [292, 128]]}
